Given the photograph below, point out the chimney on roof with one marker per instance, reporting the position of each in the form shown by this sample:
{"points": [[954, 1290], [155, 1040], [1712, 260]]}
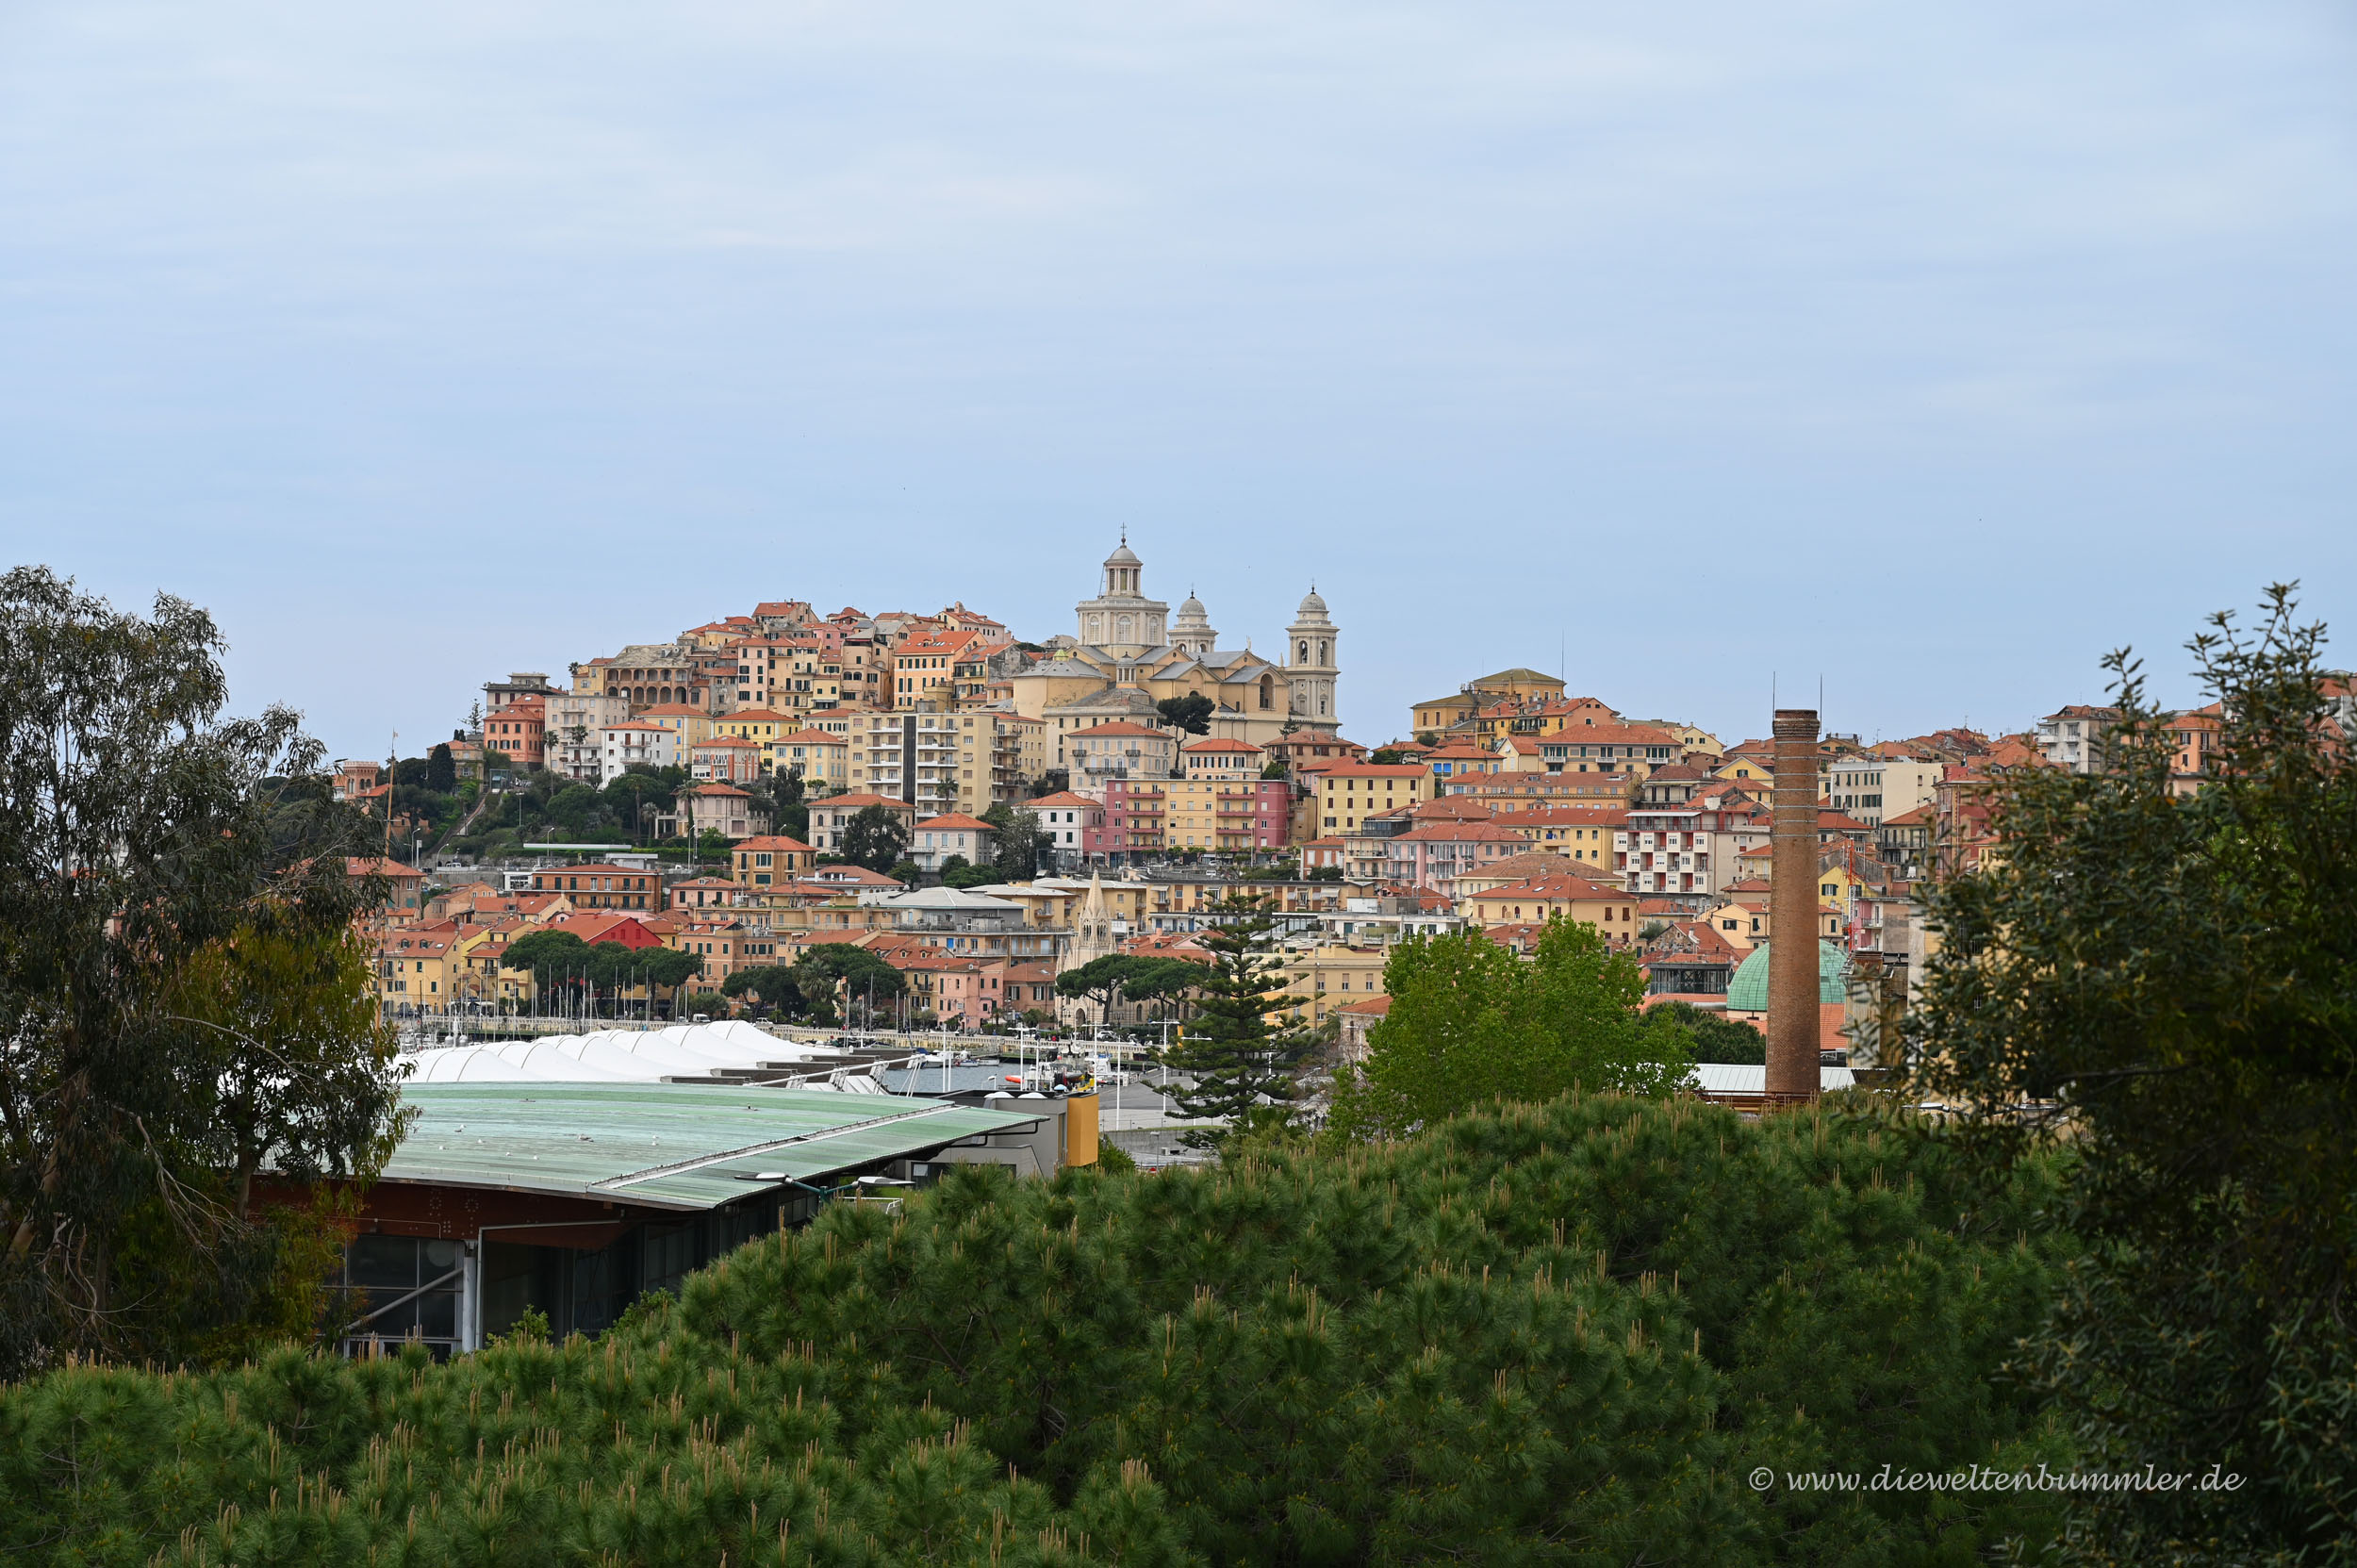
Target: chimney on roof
{"points": [[1793, 1075]]}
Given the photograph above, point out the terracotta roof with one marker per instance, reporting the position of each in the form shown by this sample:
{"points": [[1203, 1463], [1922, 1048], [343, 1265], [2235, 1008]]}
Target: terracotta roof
{"points": [[1061, 798], [1217, 746], [773, 844], [731, 740], [811, 738], [377, 866], [1451, 808], [1549, 887], [1921, 817], [860, 801], [957, 821]]}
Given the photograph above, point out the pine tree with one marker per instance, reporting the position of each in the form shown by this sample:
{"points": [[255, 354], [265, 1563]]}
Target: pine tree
{"points": [[1241, 1067]]}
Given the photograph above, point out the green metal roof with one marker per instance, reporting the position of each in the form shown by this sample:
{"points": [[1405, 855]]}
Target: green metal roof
{"points": [[670, 1146], [1747, 988]]}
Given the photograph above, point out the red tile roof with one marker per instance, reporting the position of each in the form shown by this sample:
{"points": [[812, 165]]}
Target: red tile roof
{"points": [[1550, 887]]}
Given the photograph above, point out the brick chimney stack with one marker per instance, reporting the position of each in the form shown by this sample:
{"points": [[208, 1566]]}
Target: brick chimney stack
{"points": [[1793, 1062]]}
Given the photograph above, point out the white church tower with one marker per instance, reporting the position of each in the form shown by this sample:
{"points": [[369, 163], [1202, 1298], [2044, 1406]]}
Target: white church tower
{"points": [[1191, 629], [1312, 660], [1121, 620]]}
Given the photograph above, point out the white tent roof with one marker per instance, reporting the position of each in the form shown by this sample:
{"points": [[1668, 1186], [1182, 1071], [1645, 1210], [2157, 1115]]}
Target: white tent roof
{"points": [[1727, 1078]]}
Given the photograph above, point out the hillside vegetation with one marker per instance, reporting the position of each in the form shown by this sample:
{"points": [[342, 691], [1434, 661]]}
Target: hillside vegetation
{"points": [[1550, 1334]]}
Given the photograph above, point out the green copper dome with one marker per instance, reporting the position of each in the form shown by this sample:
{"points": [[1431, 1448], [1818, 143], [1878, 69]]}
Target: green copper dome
{"points": [[1747, 992]]}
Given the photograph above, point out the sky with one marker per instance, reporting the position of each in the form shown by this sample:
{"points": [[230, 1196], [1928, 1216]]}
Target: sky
{"points": [[1695, 350]]}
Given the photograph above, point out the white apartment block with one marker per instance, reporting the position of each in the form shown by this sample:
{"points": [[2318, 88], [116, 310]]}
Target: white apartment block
{"points": [[574, 739], [621, 746], [1872, 788], [2073, 739]]}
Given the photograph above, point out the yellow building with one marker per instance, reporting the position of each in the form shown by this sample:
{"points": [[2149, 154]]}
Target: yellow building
{"points": [[763, 862], [1348, 793], [1537, 717], [480, 976], [1518, 684], [1438, 716], [414, 971], [809, 677], [691, 725], [1538, 900], [759, 725], [1327, 978], [819, 757]]}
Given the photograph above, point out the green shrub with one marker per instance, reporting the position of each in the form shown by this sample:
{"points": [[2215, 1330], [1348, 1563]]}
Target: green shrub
{"points": [[1551, 1334]]}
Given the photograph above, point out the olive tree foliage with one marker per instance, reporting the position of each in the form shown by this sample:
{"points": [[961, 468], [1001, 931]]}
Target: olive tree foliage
{"points": [[181, 991], [1473, 1022], [2167, 985]]}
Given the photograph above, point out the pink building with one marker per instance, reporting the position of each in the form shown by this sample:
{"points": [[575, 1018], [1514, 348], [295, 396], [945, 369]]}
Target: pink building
{"points": [[725, 759], [1434, 854]]}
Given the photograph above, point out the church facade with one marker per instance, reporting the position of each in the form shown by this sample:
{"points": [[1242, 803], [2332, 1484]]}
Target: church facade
{"points": [[1129, 653]]}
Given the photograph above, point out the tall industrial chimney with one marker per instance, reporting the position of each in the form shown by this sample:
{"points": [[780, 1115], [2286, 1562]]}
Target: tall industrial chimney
{"points": [[1793, 1062]]}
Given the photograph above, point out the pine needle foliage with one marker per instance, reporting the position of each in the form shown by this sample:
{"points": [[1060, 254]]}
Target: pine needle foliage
{"points": [[1241, 1068], [1558, 1334]]}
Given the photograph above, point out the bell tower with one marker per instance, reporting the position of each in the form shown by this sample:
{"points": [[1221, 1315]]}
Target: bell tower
{"points": [[1312, 664]]}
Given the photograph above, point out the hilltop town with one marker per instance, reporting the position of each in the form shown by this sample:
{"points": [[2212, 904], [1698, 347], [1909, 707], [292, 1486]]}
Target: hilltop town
{"points": [[984, 814]]}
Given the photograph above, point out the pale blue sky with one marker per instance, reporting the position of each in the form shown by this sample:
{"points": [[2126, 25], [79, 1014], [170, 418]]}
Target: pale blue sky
{"points": [[1935, 349]]}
